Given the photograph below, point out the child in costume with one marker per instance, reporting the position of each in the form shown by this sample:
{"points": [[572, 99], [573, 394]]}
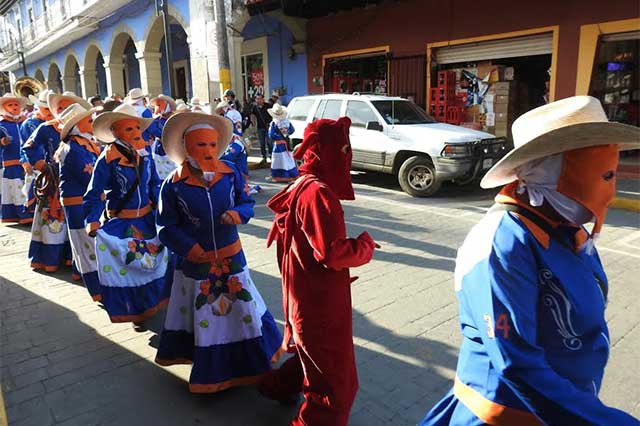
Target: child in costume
{"points": [[42, 114], [164, 107], [13, 200], [314, 255], [283, 166], [76, 155], [531, 289], [49, 248], [133, 265], [216, 318]]}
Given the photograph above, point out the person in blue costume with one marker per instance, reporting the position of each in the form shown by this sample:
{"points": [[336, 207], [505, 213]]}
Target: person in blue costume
{"points": [[138, 99], [164, 107], [49, 249], [531, 288], [283, 166], [13, 199], [41, 115], [216, 319], [134, 269], [77, 155]]}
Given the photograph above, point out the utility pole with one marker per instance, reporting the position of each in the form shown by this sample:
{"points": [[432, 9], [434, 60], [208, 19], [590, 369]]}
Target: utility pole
{"points": [[162, 8], [223, 46]]}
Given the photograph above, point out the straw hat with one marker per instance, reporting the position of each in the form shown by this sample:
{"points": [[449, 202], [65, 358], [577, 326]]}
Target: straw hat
{"points": [[168, 99], [10, 97], [71, 116], [102, 124], [182, 107], [565, 125], [194, 101], [41, 99], [222, 105], [173, 133], [135, 94], [53, 99], [278, 112]]}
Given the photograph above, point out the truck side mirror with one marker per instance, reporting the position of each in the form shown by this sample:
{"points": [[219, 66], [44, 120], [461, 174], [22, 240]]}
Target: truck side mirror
{"points": [[374, 125]]}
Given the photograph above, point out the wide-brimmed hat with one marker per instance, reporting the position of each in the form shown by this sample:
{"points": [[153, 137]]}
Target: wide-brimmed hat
{"points": [[565, 125], [102, 124], [222, 105], [71, 116], [174, 129], [42, 99], [11, 97], [278, 111], [134, 94], [168, 99], [53, 99]]}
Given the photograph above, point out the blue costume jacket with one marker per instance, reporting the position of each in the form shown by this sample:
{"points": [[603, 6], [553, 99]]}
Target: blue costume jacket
{"points": [[535, 339], [41, 145]]}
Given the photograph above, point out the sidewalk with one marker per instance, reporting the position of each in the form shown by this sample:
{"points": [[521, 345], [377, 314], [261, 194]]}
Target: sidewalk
{"points": [[628, 184]]}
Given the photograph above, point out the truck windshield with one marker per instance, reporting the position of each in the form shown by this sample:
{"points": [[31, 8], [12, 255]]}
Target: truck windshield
{"points": [[402, 112]]}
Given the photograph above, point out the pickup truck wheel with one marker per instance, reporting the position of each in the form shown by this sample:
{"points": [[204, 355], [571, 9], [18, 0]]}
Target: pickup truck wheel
{"points": [[417, 177]]}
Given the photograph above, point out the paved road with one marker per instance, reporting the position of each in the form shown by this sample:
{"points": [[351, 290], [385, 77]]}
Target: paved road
{"points": [[63, 363]]}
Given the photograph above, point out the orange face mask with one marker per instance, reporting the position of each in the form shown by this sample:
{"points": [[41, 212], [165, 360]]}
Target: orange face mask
{"points": [[589, 177], [159, 107], [44, 114], [64, 103], [202, 146], [86, 125], [128, 130], [12, 108]]}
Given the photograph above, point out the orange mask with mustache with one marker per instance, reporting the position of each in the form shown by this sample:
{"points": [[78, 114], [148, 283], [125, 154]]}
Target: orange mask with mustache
{"points": [[44, 114], [159, 107], [12, 108], [129, 131], [63, 104], [201, 143]]}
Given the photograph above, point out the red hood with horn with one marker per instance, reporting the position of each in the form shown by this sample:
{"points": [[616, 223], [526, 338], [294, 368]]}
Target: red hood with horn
{"points": [[326, 152]]}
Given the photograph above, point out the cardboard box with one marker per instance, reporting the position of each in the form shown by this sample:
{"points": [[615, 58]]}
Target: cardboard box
{"points": [[502, 117], [501, 99], [500, 88]]}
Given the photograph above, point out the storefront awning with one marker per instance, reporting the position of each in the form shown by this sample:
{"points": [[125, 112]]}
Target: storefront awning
{"points": [[307, 8], [539, 44]]}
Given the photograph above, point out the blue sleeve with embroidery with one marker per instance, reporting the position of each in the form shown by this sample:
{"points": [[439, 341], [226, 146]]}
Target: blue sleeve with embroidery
{"points": [[92, 201], [243, 201], [169, 230], [511, 345], [74, 166], [154, 182], [291, 129], [155, 129], [273, 134]]}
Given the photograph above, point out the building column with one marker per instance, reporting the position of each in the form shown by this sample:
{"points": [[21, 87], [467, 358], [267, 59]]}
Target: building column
{"points": [[115, 77], [69, 83], [89, 82], [150, 72]]}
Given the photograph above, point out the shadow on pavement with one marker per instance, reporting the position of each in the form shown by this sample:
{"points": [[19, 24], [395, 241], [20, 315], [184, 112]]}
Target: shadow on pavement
{"points": [[57, 368]]}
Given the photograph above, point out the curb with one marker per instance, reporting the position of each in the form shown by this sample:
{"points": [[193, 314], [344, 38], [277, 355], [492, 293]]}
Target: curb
{"points": [[631, 204]]}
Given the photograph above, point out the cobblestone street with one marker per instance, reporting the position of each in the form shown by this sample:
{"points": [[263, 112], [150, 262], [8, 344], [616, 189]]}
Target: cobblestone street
{"points": [[63, 363]]}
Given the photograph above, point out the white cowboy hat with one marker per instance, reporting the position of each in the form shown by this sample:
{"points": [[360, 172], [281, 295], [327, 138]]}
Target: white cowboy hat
{"points": [[168, 99], [53, 99], [222, 105], [134, 95], [564, 125], [102, 124], [41, 99], [194, 101], [182, 107], [11, 97], [71, 116], [173, 133], [278, 111]]}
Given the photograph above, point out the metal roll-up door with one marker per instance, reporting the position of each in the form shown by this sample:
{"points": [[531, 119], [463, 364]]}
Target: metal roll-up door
{"points": [[539, 44]]}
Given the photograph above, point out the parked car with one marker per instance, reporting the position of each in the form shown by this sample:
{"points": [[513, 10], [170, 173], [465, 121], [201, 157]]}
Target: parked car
{"points": [[393, 135]]}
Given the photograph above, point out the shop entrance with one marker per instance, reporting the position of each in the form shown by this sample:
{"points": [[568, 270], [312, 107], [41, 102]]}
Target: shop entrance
{"points": [[360, 73], [487, 85], [253, 75]]}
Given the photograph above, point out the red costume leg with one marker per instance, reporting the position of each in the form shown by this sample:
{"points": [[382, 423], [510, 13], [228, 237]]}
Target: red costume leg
{"points": [[285, 382]]}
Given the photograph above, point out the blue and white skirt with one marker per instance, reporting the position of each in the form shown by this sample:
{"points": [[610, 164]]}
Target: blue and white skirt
{"points": [[222, 327], [13, 199], [134, 270], [283, 166], [49, 249], [83, 250]]}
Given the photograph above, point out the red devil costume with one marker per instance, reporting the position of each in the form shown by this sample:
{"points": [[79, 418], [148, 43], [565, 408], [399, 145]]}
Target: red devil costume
{"points": [[314, 256]]}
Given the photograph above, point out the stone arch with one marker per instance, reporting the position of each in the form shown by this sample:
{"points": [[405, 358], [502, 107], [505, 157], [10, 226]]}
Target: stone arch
{"points": [[71, 78], [39, 75], [54, 78], [155, 69], [123, 69], [94, 78]]}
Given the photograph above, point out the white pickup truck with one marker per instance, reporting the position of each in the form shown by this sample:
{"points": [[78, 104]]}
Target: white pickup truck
{"points": [[393, 135]]}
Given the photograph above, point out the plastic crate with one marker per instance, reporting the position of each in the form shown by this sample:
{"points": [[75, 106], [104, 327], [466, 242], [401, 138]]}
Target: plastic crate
{"points": [[446, 79], [454, 115]]}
